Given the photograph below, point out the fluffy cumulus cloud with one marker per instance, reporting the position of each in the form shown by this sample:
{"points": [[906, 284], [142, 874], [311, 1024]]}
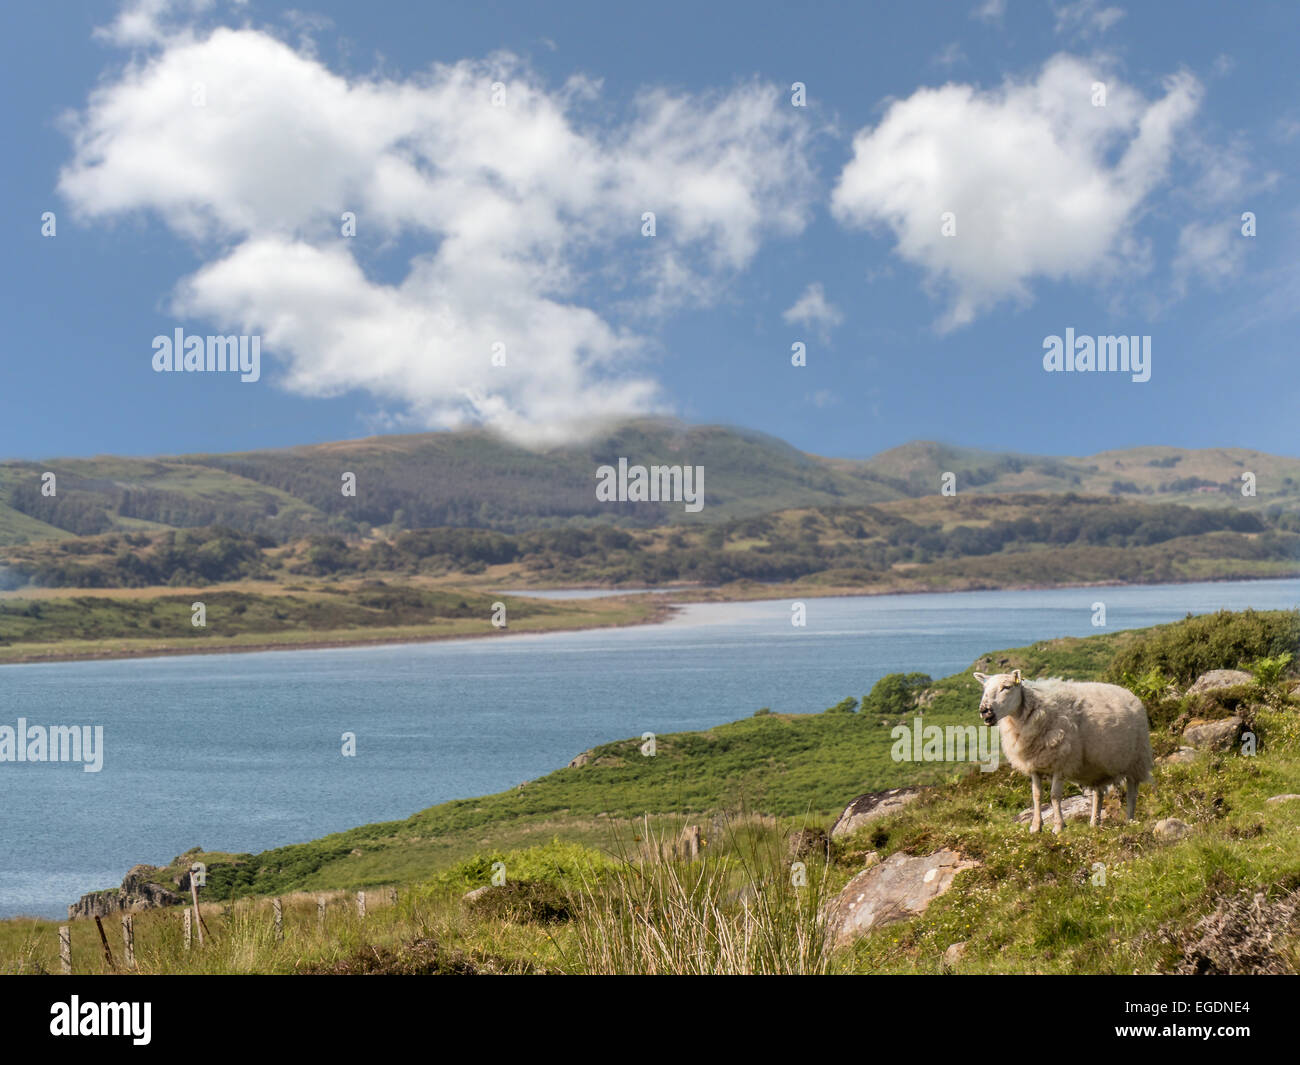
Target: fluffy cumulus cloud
{"points": [[512, 207], [1040, 183], [814, 311]]}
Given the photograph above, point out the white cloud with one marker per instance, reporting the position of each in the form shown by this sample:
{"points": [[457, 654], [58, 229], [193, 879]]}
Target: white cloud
{"points": [[950, 55], [1212, 252], [1086, 18], [990, 10], [513, 210], [142, 22], [1042, 183], [814, 311]]}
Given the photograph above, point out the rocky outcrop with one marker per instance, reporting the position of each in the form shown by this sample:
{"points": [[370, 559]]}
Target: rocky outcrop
{"points": [[1180, 757], [580, 760], [139, 891], [1289, 797], [1172, 828], [1213, 735], [871, 807], [1220, 678], [953, 955], [898, 888]]}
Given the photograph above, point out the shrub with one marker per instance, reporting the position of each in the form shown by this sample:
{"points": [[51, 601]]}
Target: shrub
{"points": [[1269, 671], [1186, 649], [895, 694], [522, 901]]}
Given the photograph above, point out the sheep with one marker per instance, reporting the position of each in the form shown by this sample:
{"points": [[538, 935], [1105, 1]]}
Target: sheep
{"points": [[1093, 734]]}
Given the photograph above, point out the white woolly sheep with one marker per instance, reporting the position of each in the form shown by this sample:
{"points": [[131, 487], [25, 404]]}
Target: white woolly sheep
{"points": [[1092, 734]]}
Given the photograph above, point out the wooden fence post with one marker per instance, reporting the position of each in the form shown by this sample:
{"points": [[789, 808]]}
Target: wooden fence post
{"points": [[278, 907], [198, 917], [128, 940], [361, 904], [103, 939], [392, 895], [189, 927], [65, 949], [320, 912], [691, 842]]}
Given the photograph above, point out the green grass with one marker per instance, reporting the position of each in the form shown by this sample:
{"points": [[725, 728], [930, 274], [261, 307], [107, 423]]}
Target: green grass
{"points": [[46, 629], [584, 843]]}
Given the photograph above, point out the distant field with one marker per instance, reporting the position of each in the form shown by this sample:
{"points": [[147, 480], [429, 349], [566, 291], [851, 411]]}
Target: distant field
{"points": [[132, 625], [933, 542]]}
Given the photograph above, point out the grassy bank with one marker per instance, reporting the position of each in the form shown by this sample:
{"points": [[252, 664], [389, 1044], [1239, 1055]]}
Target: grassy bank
{"points": [[127, 624], [588, 889]]}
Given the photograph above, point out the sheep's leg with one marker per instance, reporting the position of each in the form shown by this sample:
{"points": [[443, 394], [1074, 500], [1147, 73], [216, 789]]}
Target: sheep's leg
{"points": [[1037, 788], [1131, 796], [1058, 786], [1095, 819]]}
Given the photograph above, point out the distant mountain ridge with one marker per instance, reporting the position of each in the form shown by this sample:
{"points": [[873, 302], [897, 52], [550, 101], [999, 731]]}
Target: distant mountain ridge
{"points": [[472, 478]]}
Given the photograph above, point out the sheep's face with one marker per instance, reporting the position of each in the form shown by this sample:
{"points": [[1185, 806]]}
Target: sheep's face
{"points": [[1002, 696]]}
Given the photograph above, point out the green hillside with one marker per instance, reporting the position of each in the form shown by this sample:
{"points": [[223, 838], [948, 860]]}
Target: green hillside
{"points": [[590, 890], [474, 479]]}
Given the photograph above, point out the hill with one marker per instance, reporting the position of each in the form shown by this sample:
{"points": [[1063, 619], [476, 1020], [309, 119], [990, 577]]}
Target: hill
{"points": [[472, 479]]}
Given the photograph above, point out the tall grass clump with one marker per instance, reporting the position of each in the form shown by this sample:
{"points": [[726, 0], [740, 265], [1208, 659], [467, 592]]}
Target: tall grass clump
{"points": [[736, 910]]}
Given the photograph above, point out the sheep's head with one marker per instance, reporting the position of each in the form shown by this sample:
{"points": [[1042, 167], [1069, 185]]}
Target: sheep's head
{"points": [[1003, 695]]}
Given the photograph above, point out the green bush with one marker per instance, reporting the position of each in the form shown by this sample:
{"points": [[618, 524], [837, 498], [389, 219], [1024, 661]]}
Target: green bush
{"points": [[1270, 671], [895, 694], [1186, 649]]}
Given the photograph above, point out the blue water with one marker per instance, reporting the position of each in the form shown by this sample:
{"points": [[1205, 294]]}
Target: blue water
{"points": [[242, 752]]}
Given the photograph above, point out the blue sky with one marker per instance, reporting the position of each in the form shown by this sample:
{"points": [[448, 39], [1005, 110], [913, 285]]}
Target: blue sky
{"points": [[198, 157]]}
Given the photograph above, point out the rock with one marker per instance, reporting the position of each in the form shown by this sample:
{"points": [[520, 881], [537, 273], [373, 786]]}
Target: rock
{"points": [[1172, 828], [808, 843], [1213, 735], [1180, 757], [138, 892], [580, 760], [871, 807], [898, 888], [476, 893], [1282, 798], [1220, 678], [1075, 808], [954, 954]]}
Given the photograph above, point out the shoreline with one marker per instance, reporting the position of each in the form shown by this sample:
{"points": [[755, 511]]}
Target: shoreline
{"points": [[663, 608], [662, 611]]}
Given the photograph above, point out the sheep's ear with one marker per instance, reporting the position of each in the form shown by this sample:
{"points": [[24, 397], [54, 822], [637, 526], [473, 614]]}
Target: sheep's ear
{"points": [[1015, 676], [981, 677]]}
